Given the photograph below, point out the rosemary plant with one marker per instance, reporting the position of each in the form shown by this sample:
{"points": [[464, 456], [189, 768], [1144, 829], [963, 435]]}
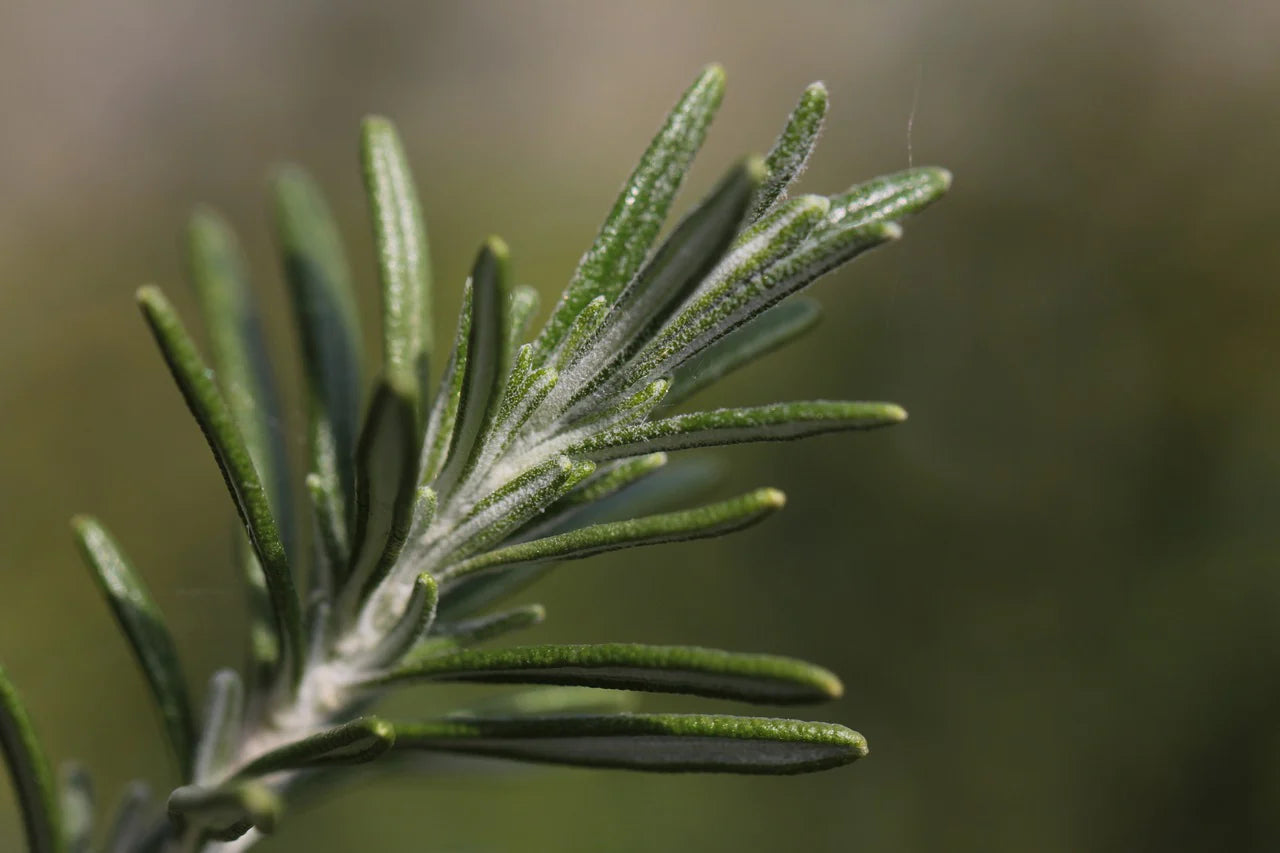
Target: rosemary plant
{"points": [[431, 508]]}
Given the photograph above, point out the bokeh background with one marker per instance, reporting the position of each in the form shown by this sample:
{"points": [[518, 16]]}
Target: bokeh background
{"points": [[1054, 594]]}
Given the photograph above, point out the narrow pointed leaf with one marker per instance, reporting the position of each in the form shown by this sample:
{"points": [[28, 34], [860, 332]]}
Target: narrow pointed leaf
{"points": [[523, 304], [356, 742], [632, 666], [791, 151], [220, 733], [131, 822], [242, 367], [443, 421], [332, 556], [386, 489], [328, 323], [654, 742], [29, 770], [581, 333], [486, 364], [632, 225], [411, 626], [77, 808], [774, 328], [404, 261], [610, 480], [776, 422], [700, 523], [225, 813], [218, 425], [469, 632], [552, 700], [890, 197], [144, 625]]}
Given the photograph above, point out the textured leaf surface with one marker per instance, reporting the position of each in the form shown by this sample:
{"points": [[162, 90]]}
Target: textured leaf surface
{"points": [[791, 151], [404, 262], [225, 813], [632, 666], [229, 450], [654, 742], [29, 770], [356, 742], [145, 627], [632, 225], [712, 520]]}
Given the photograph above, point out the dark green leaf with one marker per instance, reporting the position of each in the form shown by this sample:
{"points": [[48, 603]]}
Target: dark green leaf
{"points": [[216, 422], [356, 742], [627, 234], [486, 363], [324, 309], [630, 666], [404, 261], [776, 422], [144, 625], [29, 770], [386, 490], [702, 522], [656, 742]]}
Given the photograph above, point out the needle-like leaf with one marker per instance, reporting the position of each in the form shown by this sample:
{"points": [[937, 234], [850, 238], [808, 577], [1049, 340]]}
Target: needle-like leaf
{"points": [[627, 234], [225, 813], [654, 742], [220, 734], [469, 632], [486, 363], [144, 625], [890, 197], [551, 700], [774, 328], [240, 361], [443, 421], [130, 822], [776, 422], [216, 422], [404, 261], [324, 309], [630, 666], [703, 522], [356, 742], [791, 151], [29, 770], [411, 626], [386, 489]]}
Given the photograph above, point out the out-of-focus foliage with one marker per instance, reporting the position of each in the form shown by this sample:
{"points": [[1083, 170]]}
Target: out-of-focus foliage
{"points": [[1060, 618]]}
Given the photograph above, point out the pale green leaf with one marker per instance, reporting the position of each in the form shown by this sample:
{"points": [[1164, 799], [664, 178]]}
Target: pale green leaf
{"points": [[791, 151], [356, 742]]}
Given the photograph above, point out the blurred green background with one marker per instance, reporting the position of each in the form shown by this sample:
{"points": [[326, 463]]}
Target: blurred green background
{"points": [[1054, 594]]}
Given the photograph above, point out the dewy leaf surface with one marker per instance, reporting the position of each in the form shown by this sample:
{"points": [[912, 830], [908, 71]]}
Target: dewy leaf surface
{"points": [[654, 742]]}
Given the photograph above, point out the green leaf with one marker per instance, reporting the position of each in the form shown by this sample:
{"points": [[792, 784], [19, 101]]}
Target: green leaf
{"points": [[386, 490], [220, 733], [581, 333], [411, 626], [324, 309], [144, 625], [791, 151], [131, 821], [216, 422], [332, 557], [700, 523], [610, 480], [243, 370], [521, 307], [631, 666], [356, 742], [469, 632], [443, 421], [29, 770], [404, 261], [486, 363], [656, 742], [551, 700], [225, 813], [776, 422], [772, 329], [632, 225], [77, 807], [889, 197]]}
